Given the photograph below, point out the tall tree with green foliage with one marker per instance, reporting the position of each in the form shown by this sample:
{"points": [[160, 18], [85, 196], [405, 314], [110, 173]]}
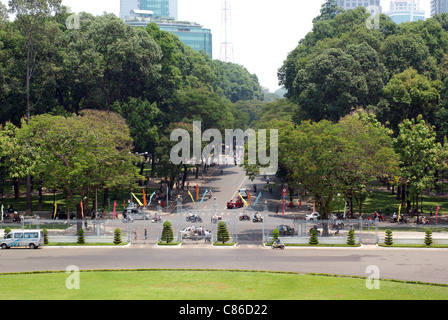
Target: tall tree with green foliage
{"points": [[419, 156]]}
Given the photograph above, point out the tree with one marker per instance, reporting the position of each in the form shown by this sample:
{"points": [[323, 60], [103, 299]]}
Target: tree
{"points": [[40, 35], [81, 238], [409, 94], [222, 234], [328, 11], [275, 235], [313, 237], [369, 156], [388, 240], [167, 232], [351, 241], [111, 61], [81, 154], [117, 236], [419, 156], [428, 237]]}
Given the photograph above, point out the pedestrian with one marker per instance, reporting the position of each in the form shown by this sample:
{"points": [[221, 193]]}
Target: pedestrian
{"points": [[146, 234], [135, 234]]}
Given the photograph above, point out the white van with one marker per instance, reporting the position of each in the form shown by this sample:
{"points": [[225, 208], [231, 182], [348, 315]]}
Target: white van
{"points": [[22, 238]]}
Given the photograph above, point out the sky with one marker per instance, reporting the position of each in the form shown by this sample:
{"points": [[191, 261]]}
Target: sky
{"points": [[262, 32]]}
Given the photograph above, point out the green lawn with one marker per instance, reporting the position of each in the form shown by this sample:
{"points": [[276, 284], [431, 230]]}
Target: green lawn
{"points": [[208, 285], [383, 200]]}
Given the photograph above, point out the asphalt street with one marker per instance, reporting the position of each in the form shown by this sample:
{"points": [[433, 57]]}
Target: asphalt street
{"points": [[402, 264], [428, 265]]}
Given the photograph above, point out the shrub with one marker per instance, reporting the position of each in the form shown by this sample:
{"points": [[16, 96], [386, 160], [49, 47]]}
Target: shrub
{"points": [[117, 236], [275, 234], [313, 238], [428, 237], [223, 234], [351, 241], [7, 230], [167, 232], [81, 239], [388, 240], [45, 236]]}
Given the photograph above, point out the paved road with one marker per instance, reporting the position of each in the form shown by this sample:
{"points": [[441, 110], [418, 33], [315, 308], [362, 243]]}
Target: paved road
{"points": [[411, 264], [429, 265]]}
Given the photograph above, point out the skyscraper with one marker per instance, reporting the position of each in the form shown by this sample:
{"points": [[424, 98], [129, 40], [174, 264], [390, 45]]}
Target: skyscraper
{"points": [[438, 6], [126, 6], [405, 11], [352, 4], [161, 8], [164, 13]]}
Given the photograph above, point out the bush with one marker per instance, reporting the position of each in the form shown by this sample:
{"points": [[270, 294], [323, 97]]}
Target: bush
{"points": [[313, 238], [351, 241], [167, 232], [7, 230], [45, 236], [388, 240], [117, 236], [223, 234], [81, 239], [428, 237], [275, 234]]}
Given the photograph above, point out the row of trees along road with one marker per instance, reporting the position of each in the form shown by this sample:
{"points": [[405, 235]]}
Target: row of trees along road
{"points": [[76, 103], [362, 105]]}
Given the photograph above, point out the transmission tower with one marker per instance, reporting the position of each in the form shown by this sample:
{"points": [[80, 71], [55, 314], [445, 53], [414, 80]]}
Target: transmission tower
{"points": [[226, 53]]}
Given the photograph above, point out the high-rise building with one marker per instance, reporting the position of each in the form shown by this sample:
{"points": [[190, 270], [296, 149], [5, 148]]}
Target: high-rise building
{"points": [[161, 8], [140, 13], [372, 5], [438, 6], [126, 6], [405, 11]]}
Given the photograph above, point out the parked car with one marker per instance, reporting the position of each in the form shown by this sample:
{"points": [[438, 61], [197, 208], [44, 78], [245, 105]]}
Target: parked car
{"points": [[243, 193], [136, 214], [60, 215], [285, 230], [235, 203], [312, 216]]}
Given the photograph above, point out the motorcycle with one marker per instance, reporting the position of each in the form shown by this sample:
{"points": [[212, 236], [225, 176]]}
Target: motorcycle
{"points": [[194, 218], [216, 218], [338, 225], [422, 220], [276, 245], [156, 219], [257, 219], [244, 217]]}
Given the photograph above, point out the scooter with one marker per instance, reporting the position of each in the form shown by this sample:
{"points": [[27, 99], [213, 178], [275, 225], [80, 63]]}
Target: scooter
{"points": [[244, 217], [276, 245], [257, 219]]}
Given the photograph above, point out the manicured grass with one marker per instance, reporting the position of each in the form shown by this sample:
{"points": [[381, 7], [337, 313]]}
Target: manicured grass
{"points": [[208, 285], [383, 200]]}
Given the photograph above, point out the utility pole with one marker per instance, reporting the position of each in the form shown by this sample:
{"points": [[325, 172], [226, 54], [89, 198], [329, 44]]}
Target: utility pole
{"points": [[226, 53]]}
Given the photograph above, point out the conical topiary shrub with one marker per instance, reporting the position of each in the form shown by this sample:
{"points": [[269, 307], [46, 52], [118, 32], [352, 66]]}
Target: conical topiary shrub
{"points": [[117, 236], [45, 236], [428, 237], [351, 241], [167, 232], [81, 239], [223, 234], [388, 240], [313, 238], [275, 235]]}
